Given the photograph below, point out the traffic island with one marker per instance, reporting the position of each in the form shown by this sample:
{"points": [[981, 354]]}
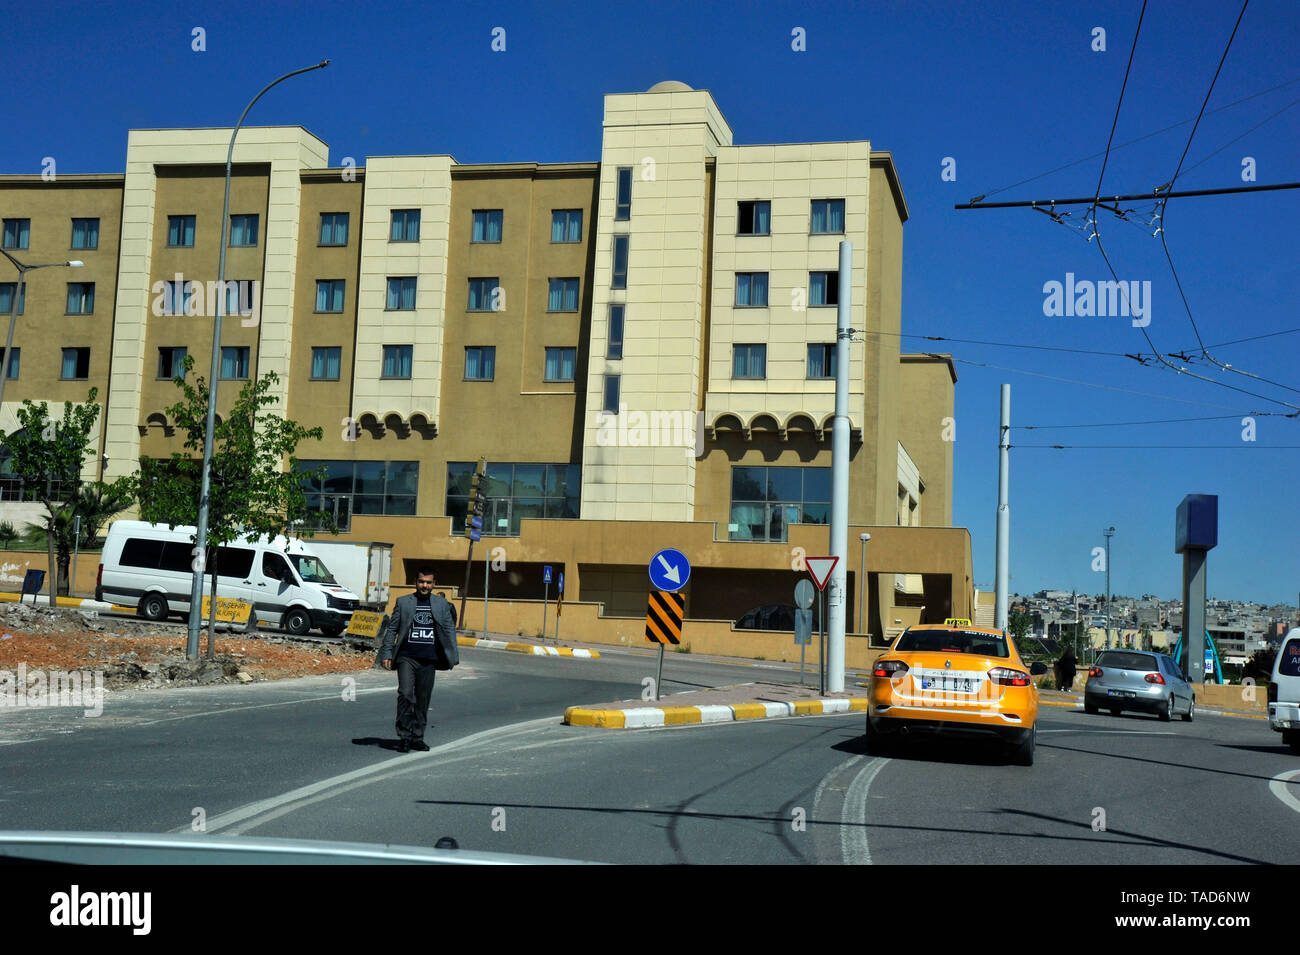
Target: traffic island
{"points": [[727, 704]]}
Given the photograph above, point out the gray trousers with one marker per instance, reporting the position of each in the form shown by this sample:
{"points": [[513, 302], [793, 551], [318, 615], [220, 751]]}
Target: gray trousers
{"points": [[414, 688]]}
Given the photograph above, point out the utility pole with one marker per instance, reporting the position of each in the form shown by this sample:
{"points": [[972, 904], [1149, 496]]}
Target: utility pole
{"points": [[1004, 513], [837, 609], [1108, 532]]}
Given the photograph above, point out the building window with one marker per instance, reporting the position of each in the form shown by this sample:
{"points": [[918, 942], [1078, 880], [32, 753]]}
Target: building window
{"points": [[406, 226], [623, 206], [239, 297], [85, 233], [14, 362], [76, 363], [749, 361], [821, 361], [563, 295], [482, 295], [243, 230], [487, 225], [751, 289], [754, 218], [514, 492], [620, 262], [7, 290], [397, 361], [171, 362], [329, 295], [325, 363], [334, 228], [234, 361], [180, 232], [615, 350], [361, 487], [560, 363], [81, 298], [401, 295], [611, 394], [17, 233], [827, 216], [175, 298], [566, 225], [765, 501], [480, 362], [823, 288]]}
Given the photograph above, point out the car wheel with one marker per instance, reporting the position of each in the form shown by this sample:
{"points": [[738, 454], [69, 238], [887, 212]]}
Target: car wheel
{"points": [[1191, 710], [1089, 707], [1291, 738], [153, 607], [1116, 710], [1167, 713], [1024, 753], [331, 631], [297, 621]]}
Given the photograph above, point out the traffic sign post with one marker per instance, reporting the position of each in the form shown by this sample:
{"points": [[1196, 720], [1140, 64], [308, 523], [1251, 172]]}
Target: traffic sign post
{"points": [[663, 624], [474, 531], [546, 595], [559, 606], [803, 598], [819, 568]]}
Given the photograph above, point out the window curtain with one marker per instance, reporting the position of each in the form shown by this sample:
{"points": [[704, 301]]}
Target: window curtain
{"points": [[325, 362], [69, 363], [762, 218], [555, 300], [397, 362]]}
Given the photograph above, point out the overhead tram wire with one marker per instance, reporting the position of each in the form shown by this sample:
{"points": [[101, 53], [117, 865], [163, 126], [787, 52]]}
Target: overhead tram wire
{"points": [[1164, 447], [1159, 132], [1127, 424]]}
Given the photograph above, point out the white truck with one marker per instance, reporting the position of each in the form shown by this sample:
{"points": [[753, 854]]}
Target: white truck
{"points": [[363, 568]]}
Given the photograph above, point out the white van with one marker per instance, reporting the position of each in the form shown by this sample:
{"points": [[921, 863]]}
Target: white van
{"points": [[150, 567], [1284, 691]]}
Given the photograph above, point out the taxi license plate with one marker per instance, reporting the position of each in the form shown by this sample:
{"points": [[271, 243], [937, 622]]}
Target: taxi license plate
{"points": [[948, 684]]}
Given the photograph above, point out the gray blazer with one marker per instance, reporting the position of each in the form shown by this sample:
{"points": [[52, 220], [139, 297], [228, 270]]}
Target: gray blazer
{"points": [[403, 619]]}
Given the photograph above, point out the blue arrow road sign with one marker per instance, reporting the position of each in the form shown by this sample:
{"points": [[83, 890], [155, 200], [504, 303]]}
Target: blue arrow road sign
{"points": [[669, 570], [546, 574]]}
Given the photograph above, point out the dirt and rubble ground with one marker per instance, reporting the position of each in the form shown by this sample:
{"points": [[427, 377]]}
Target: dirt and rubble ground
{"points": [[139, 654]]}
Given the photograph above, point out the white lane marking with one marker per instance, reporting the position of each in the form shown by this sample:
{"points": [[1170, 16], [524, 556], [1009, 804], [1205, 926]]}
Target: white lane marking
{"points": [[853, 817], [1278, 787], [1113, 732], [263, 706], [247, 816]]}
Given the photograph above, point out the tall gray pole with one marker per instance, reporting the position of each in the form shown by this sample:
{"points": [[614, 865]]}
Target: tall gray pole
{"points": [[1004, 513], [862, 580], [205, 485], [835, 621], [1108, 532]]}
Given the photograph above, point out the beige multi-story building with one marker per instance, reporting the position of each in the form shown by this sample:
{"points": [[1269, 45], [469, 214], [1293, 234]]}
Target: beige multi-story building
{"points": [[642, 349]]}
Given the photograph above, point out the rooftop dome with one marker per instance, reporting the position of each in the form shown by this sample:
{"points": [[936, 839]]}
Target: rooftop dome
{"points": [[669, 86]]}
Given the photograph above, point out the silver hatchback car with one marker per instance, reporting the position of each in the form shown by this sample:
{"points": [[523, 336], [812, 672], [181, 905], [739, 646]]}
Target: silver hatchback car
{"points": [[1138, 680]]}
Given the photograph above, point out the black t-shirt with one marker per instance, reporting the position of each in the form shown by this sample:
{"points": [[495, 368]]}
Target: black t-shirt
{"points": [[423, 641]]}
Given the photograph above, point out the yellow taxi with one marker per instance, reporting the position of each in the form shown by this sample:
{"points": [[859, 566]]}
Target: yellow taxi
{"points": [[954, 679]]}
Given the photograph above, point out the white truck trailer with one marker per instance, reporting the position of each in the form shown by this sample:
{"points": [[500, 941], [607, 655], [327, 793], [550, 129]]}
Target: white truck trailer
{"points": [[363, 568]]}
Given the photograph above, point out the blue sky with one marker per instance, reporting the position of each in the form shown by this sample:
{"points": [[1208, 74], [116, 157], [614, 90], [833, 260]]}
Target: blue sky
{"points": [[1008, 94]]}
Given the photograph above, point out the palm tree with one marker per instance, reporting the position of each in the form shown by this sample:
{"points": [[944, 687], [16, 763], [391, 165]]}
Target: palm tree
{"points": [[97, 503]]}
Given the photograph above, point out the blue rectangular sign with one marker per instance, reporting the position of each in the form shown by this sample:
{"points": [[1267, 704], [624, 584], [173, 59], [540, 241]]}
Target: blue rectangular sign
{"points": [[476, 523], [546, 574], [561, 581], [474, 535]]}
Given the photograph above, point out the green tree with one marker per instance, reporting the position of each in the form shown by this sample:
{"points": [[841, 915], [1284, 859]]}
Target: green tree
{"points": [[1019, 624], [98, 502], [251, 491], [48, 457], [7, 533]]}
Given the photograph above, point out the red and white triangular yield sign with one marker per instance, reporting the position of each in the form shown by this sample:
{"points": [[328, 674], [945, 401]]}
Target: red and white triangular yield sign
{"points": [[820, 568]]}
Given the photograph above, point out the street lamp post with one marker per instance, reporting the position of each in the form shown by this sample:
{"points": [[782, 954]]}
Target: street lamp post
{"points": [[862, 580], [17, 298], [4, 368], [201, 534], [1108, 532]]}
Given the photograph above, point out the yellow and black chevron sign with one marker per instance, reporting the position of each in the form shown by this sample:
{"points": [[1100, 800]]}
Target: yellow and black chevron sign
{"points": [[663, 619]]}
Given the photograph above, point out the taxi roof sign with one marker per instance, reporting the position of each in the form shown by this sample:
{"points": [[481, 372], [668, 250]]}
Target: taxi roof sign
{"points": [[957, 622]]}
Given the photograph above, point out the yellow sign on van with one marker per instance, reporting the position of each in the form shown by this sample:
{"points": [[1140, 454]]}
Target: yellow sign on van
{"points": [[364, 623], [957, 622], [229, 610]]}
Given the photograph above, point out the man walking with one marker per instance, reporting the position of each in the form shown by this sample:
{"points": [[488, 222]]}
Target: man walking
{"points": [[419, 641]]}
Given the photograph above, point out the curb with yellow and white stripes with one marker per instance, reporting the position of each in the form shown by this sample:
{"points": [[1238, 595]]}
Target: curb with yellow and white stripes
{"points": [[645, 717], [533, 648]]}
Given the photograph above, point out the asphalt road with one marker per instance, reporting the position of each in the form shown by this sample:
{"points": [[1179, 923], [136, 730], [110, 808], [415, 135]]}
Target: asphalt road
{"points": [[310, 759]]}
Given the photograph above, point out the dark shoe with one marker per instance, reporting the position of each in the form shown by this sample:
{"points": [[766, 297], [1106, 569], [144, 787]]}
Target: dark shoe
{"points": [[403, 746], [420, 745]]}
